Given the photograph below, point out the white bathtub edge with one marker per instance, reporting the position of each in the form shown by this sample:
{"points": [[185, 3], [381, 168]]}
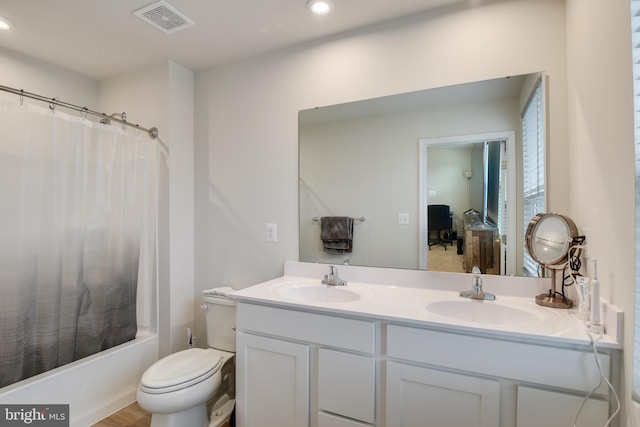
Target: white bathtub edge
{"points": [[94, 387]]}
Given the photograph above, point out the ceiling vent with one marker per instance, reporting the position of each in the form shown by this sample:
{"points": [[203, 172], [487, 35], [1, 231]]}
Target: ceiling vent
{"points": [[164, 17]]}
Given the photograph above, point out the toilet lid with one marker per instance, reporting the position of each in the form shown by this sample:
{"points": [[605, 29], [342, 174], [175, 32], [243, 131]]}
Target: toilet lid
{"points": [[180, 370]]}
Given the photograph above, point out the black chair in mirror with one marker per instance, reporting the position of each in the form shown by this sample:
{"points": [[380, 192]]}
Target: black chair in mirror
{"points": [[439, 225]]}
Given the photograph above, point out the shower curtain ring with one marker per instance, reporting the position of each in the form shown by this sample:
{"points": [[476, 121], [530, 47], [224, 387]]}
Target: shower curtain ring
{"points": [[83, 113], [54, 103], [21, 96]]}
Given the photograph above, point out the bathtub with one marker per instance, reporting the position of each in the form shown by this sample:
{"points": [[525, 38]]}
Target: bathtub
{"points": [[94, 387]]}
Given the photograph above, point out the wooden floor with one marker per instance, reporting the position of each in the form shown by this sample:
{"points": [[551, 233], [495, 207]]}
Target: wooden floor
{"points": [[131, 416]]}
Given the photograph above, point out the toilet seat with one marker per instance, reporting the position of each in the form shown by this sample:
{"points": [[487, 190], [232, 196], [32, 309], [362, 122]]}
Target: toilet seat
{"points": [[181, 370]]}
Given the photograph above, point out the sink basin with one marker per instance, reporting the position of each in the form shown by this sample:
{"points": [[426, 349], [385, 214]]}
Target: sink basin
{"points": [[484, 312], [312, 292]]}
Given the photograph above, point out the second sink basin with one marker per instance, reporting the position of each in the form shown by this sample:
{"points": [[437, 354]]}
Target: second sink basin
{"points": [[311, 292], [484, 312]]}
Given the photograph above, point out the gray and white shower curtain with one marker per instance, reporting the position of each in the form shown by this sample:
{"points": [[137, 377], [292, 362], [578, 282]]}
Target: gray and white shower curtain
{"points": [[77, 216]]}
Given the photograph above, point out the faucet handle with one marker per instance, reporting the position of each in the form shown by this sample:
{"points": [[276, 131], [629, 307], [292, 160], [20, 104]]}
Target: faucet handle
{"points": [[333, 270]]}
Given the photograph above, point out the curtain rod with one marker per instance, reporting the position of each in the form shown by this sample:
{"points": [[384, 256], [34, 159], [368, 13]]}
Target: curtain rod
{"points": [[53, 102]]}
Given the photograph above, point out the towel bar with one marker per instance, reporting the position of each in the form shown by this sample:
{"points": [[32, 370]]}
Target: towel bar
{"points": [[316, 219]]}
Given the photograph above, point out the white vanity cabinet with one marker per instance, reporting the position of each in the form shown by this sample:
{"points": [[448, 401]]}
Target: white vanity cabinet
{"points": [[302, 368], [376, 354], [298, 368]]}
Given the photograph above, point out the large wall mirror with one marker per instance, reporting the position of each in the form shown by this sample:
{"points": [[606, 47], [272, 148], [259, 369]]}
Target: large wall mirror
{"points": [[384, 161]]}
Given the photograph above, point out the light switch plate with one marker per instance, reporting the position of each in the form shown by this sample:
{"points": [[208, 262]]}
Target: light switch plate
{"points": [[403, 218]]}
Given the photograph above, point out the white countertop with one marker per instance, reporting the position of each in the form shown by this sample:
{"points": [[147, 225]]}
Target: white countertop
{"points": [[432, 300]]}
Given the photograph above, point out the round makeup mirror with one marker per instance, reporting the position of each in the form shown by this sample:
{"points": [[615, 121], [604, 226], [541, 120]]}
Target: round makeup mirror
{"points": [[549, 238]]}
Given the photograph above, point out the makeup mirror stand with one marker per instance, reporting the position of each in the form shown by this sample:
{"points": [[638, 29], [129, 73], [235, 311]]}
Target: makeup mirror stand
{"points": [[553, 299]]}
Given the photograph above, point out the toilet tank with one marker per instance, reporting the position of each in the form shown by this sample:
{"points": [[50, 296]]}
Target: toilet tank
{"points": [[220, 318]]}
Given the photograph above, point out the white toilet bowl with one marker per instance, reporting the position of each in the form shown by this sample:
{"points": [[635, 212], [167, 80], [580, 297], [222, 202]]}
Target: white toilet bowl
{"points": [[176, 388]]}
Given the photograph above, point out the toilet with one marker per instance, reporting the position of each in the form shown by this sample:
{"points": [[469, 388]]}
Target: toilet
{"points": [[196, 387]]}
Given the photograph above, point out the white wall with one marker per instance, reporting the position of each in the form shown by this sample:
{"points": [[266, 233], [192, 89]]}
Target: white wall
{"points": [[22, 72], [602, 149], [246, 121], [445, 174], [183, 298]]}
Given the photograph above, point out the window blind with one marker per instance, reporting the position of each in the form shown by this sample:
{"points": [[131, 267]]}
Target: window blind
{"points": [[533, 138], [635, 34]]}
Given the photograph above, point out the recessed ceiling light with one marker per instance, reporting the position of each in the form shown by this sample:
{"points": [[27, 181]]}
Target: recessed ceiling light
{"points": [[320, 7], [5, 24]]}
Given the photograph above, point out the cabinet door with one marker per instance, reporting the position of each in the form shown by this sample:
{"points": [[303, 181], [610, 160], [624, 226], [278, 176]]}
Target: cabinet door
{"points": [[421, 397], [272, 382], [346, 384], [550, 409]]}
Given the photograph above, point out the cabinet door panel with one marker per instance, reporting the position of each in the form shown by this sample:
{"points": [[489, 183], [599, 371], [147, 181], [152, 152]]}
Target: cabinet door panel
{"points": [[421, 397], [550, 409], [272, 382], [346, 384]]}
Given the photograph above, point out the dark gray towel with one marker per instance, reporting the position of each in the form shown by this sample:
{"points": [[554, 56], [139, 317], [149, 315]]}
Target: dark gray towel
{"points": [[337, 233]]}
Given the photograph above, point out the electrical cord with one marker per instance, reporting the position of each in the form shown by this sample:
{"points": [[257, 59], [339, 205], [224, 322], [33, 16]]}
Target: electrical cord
{"points": [[574, 263], [594, 343]]}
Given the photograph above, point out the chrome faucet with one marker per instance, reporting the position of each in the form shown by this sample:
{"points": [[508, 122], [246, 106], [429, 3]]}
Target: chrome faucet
{"points": [[476, 291], [332, 278]]}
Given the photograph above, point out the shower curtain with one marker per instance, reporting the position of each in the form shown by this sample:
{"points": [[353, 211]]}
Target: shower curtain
{"points": [[77, 216]]}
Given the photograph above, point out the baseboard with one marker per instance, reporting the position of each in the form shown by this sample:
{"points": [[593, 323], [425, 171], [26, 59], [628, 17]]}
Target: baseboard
{"points": [[106, 409]]}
